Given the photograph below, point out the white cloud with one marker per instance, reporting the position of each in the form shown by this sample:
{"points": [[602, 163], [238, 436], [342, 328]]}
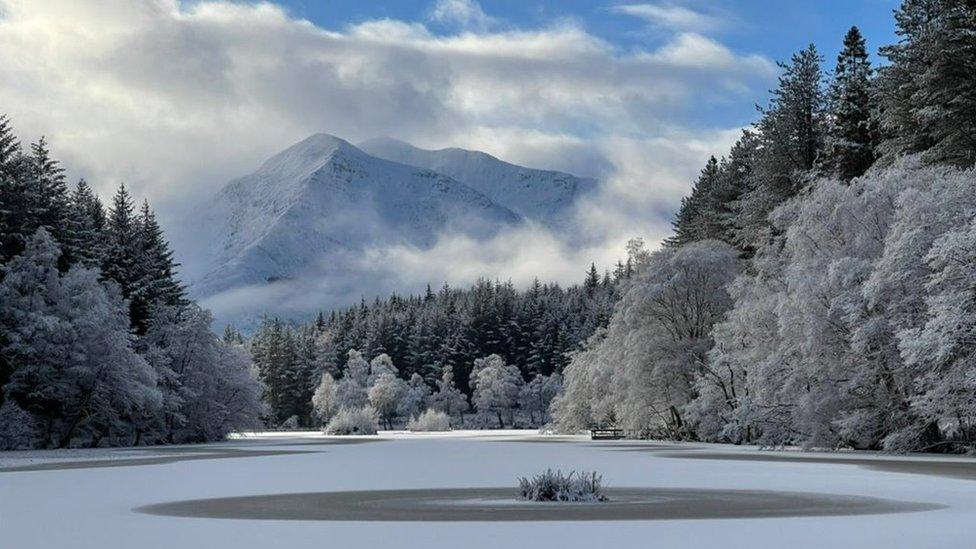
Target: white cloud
{"points": [[466, 14], [175, 98], [671, 16]]}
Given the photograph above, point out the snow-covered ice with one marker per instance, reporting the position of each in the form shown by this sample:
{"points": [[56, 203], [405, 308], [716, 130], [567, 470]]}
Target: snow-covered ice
{"points": [[93, 507]]}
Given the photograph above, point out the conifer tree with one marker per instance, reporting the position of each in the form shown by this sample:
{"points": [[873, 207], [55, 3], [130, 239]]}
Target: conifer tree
{"points": [[86, 238], [696, 218], [592, 281], [734, 181], [121, 261], [155, 270], [49, 197], [852, 136], [14, 204], [928, 93], [9, 145], [791, 132]]}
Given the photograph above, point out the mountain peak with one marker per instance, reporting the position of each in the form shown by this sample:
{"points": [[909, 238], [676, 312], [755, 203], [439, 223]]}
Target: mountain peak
{"points": [[322, 141], [308, 155]]}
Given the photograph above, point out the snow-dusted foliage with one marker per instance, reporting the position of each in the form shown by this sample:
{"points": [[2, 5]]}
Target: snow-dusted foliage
{"points": [[854, 328], [447, 398], [644, 370], [496, 387], [536, 396], [68, 337], [206, 383], [415, 396], [428, 334], [556, 486], [430, 420], [18, 428], [852, 323], [351, 389], [385, 394], [98, 344], [324, 402], [354, 421]]}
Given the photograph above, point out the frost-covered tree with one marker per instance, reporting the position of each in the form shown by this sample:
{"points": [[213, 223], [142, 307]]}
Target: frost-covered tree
{"points": [[68, 361], [351, 388], [496, 386], [943, 349], [536, 396], [381, 364], [415, 397], [447, 398], [644, 371], [74, 366], [206, 383], [324, 401], [586, 400], [357, 368], [828, 343], [386, 392]]}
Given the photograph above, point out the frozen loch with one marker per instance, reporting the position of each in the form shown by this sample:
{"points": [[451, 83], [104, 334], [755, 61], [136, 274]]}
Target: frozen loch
{"points": [[458, 489]]}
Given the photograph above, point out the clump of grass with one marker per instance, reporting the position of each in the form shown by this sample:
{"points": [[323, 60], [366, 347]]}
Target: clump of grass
{"points": [[358, 421], [556, 486]]}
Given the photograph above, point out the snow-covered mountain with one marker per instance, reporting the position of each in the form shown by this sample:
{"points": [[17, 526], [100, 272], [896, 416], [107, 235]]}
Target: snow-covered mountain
{"points": [[320, 202], [541, 195]]}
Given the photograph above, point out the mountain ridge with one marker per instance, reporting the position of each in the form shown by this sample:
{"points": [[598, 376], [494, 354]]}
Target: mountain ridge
{"points": [[547, 196]]}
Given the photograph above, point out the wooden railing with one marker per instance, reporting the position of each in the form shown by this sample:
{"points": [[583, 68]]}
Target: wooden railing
{"points": [[606, 434]]}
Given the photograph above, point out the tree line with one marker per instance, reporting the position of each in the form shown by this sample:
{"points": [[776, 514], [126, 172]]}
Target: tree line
{"points": [[820, 285], [432, 337], [98, 343]]}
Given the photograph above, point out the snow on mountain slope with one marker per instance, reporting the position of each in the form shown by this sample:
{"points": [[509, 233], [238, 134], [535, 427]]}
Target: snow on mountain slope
{"points": [[541, 195], [321, 201]]}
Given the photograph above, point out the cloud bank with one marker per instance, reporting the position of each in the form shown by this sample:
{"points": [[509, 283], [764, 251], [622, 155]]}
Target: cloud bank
{"points": [[175, 98]]}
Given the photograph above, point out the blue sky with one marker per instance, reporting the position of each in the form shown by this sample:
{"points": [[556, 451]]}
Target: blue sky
{"points": [[772, 28], [177, 97]]}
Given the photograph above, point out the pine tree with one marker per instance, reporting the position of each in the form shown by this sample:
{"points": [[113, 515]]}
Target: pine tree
{"points": [[696, 218], [928, 92], [9, 145], [232, 336], [14, 194], [269, 354], [32, 195], [852, 136], [791, 132], [734, 181], [122, 254], [156, 283], [592, 281], [86, 240], [51, 201]]}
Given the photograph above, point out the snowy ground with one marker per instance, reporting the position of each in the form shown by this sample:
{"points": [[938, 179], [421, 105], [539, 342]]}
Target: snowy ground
{"points": [[86, 500]]}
